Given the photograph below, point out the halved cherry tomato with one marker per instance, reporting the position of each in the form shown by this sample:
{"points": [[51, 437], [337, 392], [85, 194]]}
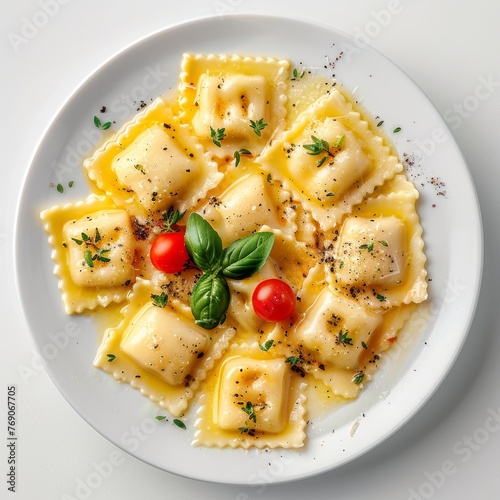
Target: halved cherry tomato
{"points": [[168, 253], [273, 300]]}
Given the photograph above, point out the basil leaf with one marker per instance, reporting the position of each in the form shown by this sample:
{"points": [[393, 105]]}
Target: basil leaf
{"points": [[244, 257], [203, 244], [210, 300]]}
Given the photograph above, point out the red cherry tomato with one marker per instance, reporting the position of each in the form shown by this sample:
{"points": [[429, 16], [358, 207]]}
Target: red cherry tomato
{"points": [[168, 253], [273, 300]]}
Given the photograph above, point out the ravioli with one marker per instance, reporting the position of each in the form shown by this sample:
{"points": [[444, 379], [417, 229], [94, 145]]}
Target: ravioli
{"points": [[93, 249], [239, 145], [243, 96], [379, 257], [330, 159], [153, 163], [159, 350], [255, 403]]}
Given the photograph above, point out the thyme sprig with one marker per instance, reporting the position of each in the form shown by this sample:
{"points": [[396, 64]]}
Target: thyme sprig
{"points": [[92, 252], [170, 218], [258, 126], [320, 146], [217, 135]]}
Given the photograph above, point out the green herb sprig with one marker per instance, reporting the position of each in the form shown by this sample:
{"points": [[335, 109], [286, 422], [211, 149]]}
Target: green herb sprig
{"points": [[98, 254], [170, 218], [249, 409], [320, 146], [241, 259], [343, 338], [258, 126], [217, 135]]}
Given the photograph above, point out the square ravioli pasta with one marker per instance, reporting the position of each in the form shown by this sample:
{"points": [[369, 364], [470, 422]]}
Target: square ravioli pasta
{"points": [[255, 401], [157, 349], [93, 248], [329, 159], [151, 162], [233, 102], [379, 254]]}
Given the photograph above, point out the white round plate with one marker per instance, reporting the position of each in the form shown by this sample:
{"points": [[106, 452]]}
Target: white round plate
{"points": [[449, 215]]}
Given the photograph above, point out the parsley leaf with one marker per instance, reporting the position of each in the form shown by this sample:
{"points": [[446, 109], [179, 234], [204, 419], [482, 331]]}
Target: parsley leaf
{"points": [[160, 300]]}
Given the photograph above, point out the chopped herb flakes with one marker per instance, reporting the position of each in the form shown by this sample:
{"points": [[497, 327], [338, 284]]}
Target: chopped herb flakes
{"points": [[296, 75]]}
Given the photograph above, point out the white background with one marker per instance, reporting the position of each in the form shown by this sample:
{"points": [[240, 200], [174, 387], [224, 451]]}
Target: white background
{"points": [[450, 448]]}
